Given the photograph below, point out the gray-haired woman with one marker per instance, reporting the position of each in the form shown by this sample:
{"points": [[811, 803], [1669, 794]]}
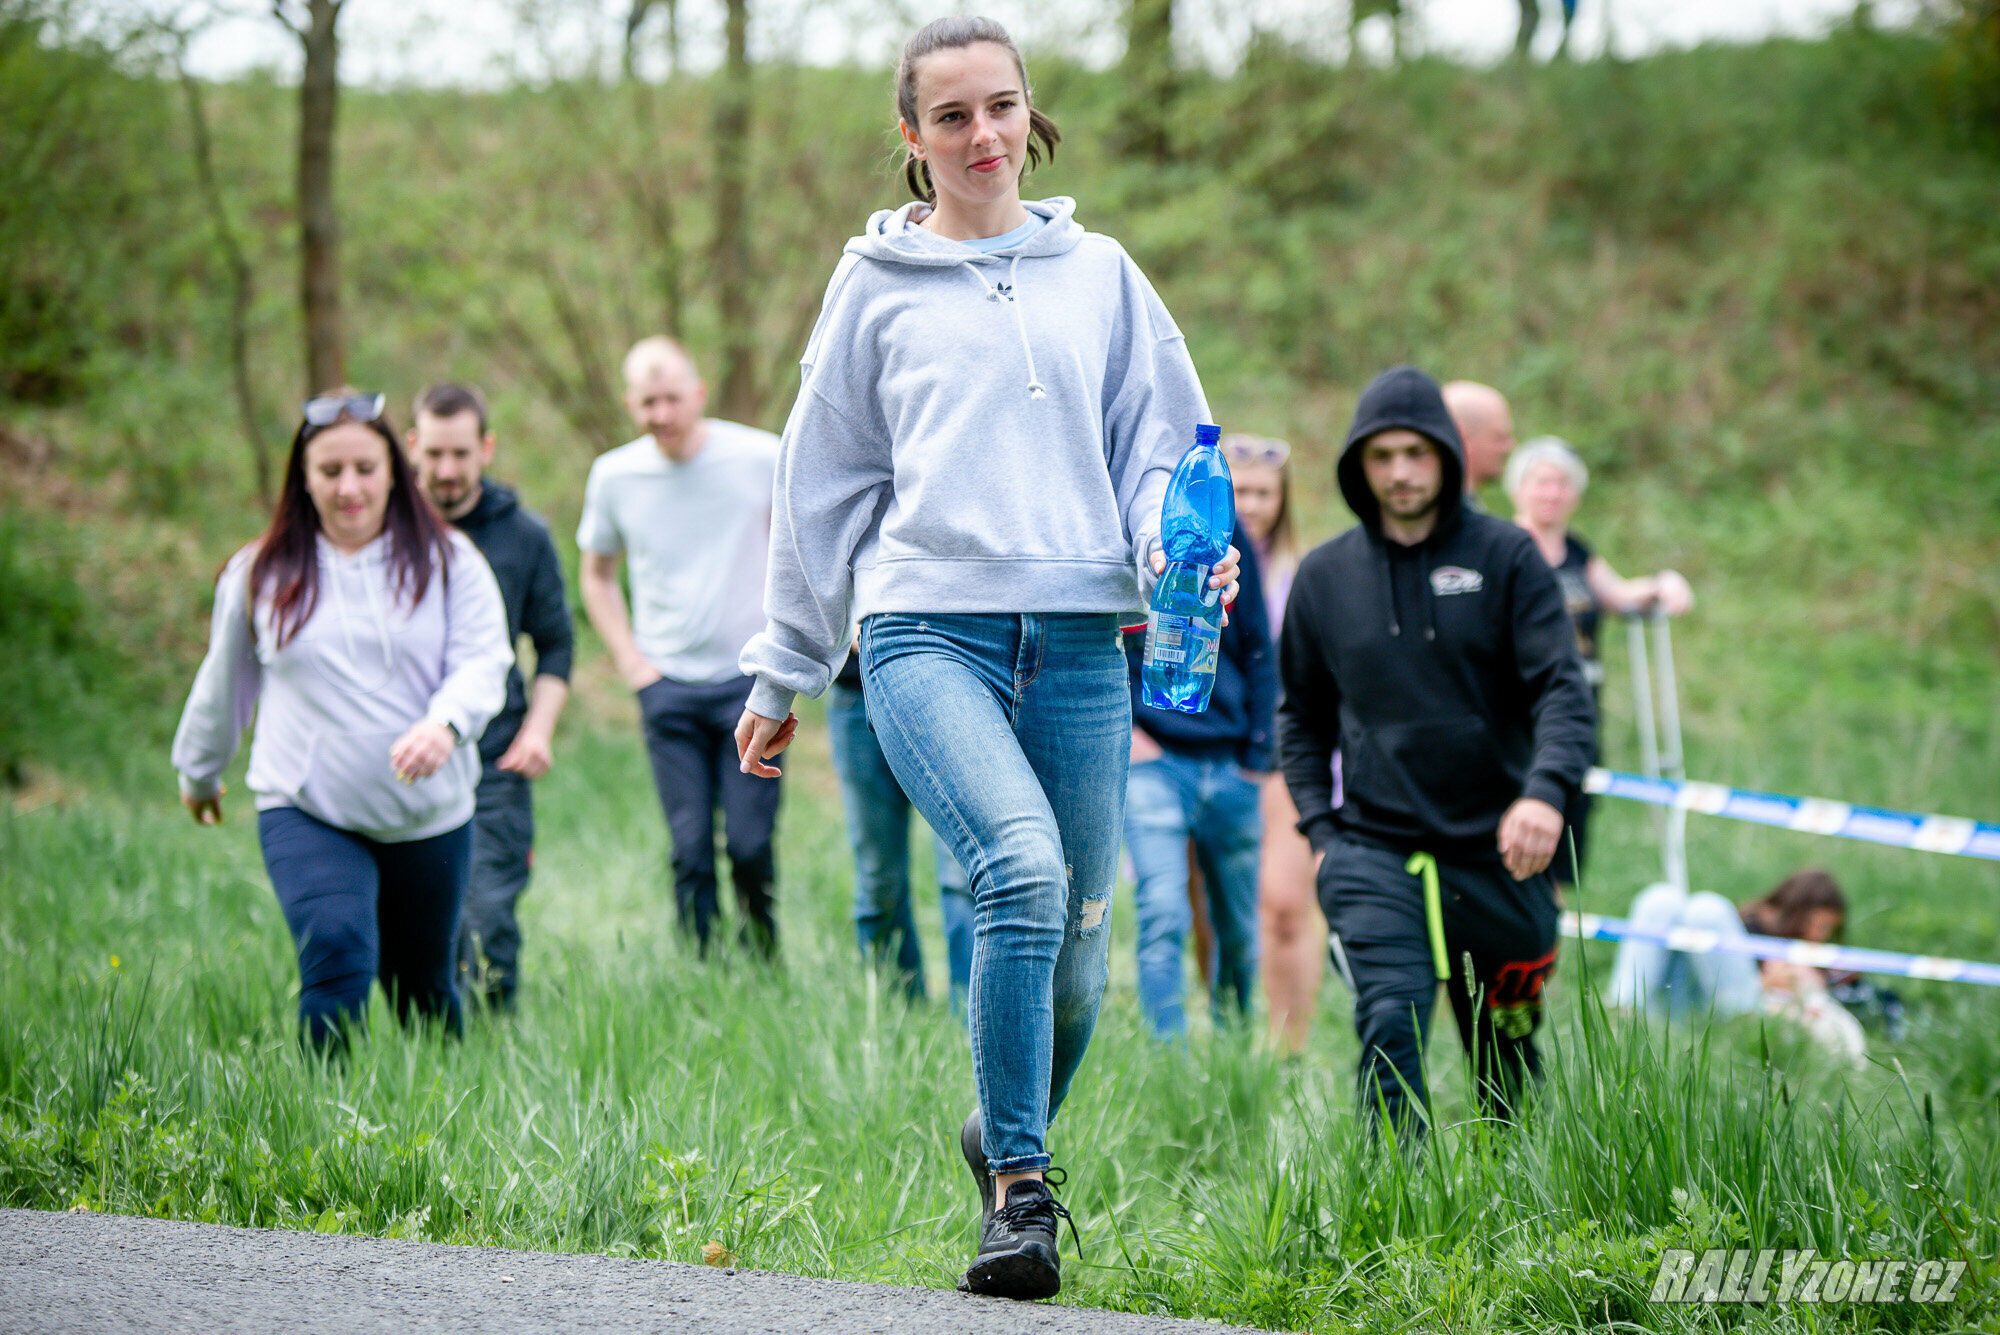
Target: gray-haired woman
{"points": [[1545, 480]]}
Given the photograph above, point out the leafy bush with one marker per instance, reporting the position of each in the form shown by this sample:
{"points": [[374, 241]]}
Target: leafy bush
{"points": [[59, 667], [95, 231]]}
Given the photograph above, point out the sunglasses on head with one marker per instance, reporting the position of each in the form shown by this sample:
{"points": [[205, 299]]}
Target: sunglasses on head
{"points": [[1257, 450], [327, 409]]}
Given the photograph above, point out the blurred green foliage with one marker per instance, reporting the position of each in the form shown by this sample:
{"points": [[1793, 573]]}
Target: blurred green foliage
{"points": [[93, 185], [55, 657]]}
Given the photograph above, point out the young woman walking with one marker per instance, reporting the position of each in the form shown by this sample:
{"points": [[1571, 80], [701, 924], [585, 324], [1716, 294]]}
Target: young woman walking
{"points": [[990, 408], [370, 640]]}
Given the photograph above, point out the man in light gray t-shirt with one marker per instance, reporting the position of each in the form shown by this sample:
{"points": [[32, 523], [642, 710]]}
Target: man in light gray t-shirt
{"points": [[689, 505]]}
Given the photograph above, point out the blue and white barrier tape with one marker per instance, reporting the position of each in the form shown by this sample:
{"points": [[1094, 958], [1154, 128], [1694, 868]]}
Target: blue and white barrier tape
{"points": [[1702, 941], [1814, 815]]}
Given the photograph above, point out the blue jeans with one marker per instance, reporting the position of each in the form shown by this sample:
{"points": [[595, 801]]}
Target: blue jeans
{"points": [[359, 910], [1167, 802], [1011, 732], [878, 828], [1676, 983]]}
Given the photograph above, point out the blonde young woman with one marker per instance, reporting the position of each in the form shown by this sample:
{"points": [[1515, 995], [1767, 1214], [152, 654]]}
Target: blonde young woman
{"points": [[989, 411], [1292, 929]]}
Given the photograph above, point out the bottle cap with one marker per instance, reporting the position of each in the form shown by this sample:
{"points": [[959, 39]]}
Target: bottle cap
{"points": [[1206, 433]]}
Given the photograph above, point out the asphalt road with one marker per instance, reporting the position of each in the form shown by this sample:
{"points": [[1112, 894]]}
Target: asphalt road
{"points": [[80, 1274]]}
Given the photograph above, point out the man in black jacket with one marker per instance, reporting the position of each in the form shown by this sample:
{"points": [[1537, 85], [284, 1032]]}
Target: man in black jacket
{"points": [[1430, 646], [450, 446]]}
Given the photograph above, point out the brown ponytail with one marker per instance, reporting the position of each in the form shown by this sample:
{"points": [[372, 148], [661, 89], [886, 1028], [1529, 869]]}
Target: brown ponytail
{"points": [[951, 34]]}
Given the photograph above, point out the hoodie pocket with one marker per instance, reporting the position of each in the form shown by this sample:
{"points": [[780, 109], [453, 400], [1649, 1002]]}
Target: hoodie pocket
{"points": [[1444, 773], [349, 784]]}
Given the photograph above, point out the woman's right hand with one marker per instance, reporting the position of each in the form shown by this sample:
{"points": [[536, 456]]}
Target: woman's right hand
{"points": [[1671, 589], [759, 738], [1667, 592], [206, 810]]}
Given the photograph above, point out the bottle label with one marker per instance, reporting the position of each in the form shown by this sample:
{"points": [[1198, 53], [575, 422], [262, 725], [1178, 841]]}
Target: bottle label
{"points": [[1166, 638], [1172, 639]]}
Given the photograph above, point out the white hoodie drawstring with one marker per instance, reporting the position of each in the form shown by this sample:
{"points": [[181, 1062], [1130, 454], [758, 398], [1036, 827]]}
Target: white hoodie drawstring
{"points": [[1012, 296], [381, 622], [374, 610], [340, 596]]}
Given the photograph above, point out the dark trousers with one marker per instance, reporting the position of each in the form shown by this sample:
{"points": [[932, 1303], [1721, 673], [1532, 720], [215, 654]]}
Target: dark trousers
{"points": [[360, 910], [690, 731], [1499, 949], [503, 848]]}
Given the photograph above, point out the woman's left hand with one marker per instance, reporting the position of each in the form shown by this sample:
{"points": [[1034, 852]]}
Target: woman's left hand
{"points": [[1221, 576], [419, 752]]}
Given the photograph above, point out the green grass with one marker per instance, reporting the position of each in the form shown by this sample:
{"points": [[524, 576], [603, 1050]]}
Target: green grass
{"points": [[645, 1104]]}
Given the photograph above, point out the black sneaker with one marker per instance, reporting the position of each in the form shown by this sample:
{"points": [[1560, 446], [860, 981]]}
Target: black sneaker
{"points": [[971, 1145], [1017, 1246]]}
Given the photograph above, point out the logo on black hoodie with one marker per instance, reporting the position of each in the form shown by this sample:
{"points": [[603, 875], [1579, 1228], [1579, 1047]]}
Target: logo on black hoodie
{"points": [[1446, 580]]}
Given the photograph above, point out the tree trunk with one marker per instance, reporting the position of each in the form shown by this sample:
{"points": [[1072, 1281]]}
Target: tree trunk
{"points": [[1524, 34], [653, 197], [240, 289], [319, 229], [1149, 79], [731, 258], [635, 18]]}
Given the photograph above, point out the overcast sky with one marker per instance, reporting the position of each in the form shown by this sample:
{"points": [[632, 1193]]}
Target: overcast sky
{"points": [[483, 42]]}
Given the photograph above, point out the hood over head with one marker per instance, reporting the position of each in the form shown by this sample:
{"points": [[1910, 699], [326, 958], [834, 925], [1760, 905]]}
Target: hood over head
{"points": [[1402, 396], [892, 236]]}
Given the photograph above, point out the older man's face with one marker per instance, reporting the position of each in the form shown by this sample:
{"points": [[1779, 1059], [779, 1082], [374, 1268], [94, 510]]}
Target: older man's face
{"points": [[666, 400]]}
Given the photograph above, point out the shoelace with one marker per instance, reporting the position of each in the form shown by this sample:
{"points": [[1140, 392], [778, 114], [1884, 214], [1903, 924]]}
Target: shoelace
{"points": [[1015, 1215]]}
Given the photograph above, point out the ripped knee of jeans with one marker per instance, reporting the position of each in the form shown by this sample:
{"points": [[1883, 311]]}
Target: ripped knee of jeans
{"points": [[1095, 914]]}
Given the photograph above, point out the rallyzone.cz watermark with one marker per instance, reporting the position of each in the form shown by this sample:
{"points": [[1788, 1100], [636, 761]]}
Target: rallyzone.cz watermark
{"points": [[1744, 1275]]}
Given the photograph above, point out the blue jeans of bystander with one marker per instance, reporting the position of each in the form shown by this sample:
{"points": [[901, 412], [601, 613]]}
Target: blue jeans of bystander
{"points": [[1167, 802], [1676, 983], [878, 829]]}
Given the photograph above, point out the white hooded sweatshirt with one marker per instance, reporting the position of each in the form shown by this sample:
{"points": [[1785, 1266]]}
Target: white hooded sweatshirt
{"points": [[974, 432], [330, 704]]}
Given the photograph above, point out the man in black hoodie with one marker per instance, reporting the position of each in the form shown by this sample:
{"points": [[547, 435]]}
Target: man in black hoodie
{"points": [[450, 447], [1429, 645]]}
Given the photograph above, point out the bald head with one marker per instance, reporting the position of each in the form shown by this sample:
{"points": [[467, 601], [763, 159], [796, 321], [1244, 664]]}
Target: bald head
{"points": [[665, 396], [1485, 426], [650, 356]]}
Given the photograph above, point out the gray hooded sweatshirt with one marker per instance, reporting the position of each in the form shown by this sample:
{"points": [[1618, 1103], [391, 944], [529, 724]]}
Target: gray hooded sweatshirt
{"points": [[973, 433]]}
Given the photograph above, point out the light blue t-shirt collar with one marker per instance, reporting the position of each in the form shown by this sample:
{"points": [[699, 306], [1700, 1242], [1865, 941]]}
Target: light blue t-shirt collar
{"points": [[987, 245]]}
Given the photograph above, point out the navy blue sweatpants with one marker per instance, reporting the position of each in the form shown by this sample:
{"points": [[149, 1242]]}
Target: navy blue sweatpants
{"points": [[360, 910]]}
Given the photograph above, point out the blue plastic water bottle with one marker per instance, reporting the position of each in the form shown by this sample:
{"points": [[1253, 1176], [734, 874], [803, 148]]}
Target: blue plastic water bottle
{"points": [[1184, 627]]}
